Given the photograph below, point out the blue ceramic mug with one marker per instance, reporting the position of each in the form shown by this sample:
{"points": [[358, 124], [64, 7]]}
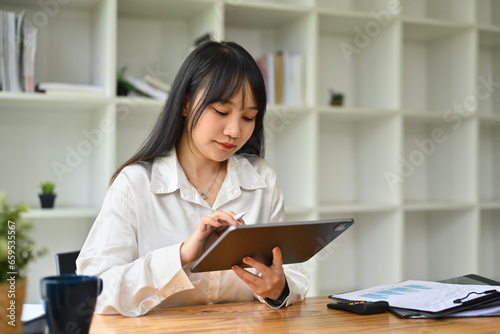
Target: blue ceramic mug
{"points": [[69, 302]]}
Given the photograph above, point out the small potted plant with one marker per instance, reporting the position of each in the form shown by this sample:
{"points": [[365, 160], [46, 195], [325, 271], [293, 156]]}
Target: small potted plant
{"points": [[122, 86], [17, 250], [47, 196]]}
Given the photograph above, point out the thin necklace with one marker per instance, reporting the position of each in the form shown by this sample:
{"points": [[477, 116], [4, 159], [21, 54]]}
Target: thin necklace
{"points": [[204, 194]]}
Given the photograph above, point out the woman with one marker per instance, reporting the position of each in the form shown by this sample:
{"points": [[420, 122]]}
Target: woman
{"points": [[200, 164]]}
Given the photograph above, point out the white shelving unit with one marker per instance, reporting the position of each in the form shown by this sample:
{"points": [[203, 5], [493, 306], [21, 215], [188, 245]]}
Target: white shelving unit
{"points": [[412, 155]]}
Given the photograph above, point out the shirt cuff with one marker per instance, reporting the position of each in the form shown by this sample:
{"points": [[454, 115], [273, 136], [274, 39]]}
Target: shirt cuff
{"points": [[277, 303], [167, 270]]}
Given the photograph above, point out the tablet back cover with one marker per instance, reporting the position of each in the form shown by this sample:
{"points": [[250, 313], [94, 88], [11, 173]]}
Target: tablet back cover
{"points": [[298, 241]]}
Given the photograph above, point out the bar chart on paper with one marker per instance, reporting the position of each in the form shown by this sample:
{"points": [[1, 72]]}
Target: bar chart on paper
{"points": [[397, 291]]}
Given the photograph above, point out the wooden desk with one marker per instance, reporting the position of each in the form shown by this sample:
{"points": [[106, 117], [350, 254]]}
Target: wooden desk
{"points": [[310, 316]]}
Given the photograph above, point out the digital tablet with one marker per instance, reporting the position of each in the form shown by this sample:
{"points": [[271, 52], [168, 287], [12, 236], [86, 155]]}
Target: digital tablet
{"points": [[298, 241]]}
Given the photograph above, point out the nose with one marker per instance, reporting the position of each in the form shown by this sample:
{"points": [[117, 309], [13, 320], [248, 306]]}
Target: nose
{"points": [[232, 128]]}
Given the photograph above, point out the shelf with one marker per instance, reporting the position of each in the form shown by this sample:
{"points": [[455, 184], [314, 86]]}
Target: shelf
{"points": [[416, 30], [438, 72], [344, 23], [487, 92], [371, 230], [281, 109], [59, 58], [489, 251], [410, 155], [62, 213], [293, 214], [358, 6], [171, 27], [423, 116], [133, 104], [488, 13], [265, 29], [350, 62], [341, 208], [355, 114], [281, 132], [437, 206], [439, 10], [440, 244], [53, 8], [439, 161], [42, 103], [354, 157], [132, 126], [489, 161], [270, 3], [163, 10], [491, 119], [68, 146], [263, 14], [490, 205]]}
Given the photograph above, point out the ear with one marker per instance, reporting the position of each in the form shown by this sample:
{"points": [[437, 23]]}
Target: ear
{"points": [[185, 107]]}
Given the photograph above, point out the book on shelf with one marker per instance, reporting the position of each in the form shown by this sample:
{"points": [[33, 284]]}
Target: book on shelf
{"points": [[283, 75], [148, 86], [69, 89], [17, 52], [30, 39], [266, 66], [156, 83]]}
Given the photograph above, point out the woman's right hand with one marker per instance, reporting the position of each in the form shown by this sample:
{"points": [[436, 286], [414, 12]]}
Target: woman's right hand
{"points": [[206, 234]]}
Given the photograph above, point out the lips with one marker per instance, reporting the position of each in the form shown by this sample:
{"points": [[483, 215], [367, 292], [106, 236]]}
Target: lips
{"points": [[226, 146]]}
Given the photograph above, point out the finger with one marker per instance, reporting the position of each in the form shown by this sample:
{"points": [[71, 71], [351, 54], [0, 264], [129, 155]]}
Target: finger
{"points": [[259, 266], [246, 276], [226, 218], [210, 221], [277, 258]]}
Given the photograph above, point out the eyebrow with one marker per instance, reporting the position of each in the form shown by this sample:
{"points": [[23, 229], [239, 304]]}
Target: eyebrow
{"points": [[233, 104]]}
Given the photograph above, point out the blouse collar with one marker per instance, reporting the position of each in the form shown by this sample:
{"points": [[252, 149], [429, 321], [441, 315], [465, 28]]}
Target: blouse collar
{"points": [[167, 176]]}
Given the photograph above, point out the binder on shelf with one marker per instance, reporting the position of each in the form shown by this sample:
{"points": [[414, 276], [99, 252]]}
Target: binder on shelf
{"points": [[465, 296]]}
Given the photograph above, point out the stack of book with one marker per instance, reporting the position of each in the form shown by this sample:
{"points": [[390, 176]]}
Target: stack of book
{"points": [[283, 74], [17, 53]]}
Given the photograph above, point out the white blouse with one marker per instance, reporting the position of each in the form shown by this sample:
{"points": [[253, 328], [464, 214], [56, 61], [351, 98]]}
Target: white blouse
{"points": [[148, 211]]}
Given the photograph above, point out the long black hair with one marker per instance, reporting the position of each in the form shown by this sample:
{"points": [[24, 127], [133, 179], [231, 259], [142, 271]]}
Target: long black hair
{"points": [[218, 70]]}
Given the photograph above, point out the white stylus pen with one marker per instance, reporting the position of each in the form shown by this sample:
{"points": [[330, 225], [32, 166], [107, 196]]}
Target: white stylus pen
{"points": [[239, 216], [236, 217]]}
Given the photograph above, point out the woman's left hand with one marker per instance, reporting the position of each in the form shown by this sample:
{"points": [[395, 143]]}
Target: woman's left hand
{"points": [[272, 281]]}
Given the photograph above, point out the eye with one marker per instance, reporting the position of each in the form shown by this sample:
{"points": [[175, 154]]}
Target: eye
{"points": [[222, 113], [249, 119]]}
